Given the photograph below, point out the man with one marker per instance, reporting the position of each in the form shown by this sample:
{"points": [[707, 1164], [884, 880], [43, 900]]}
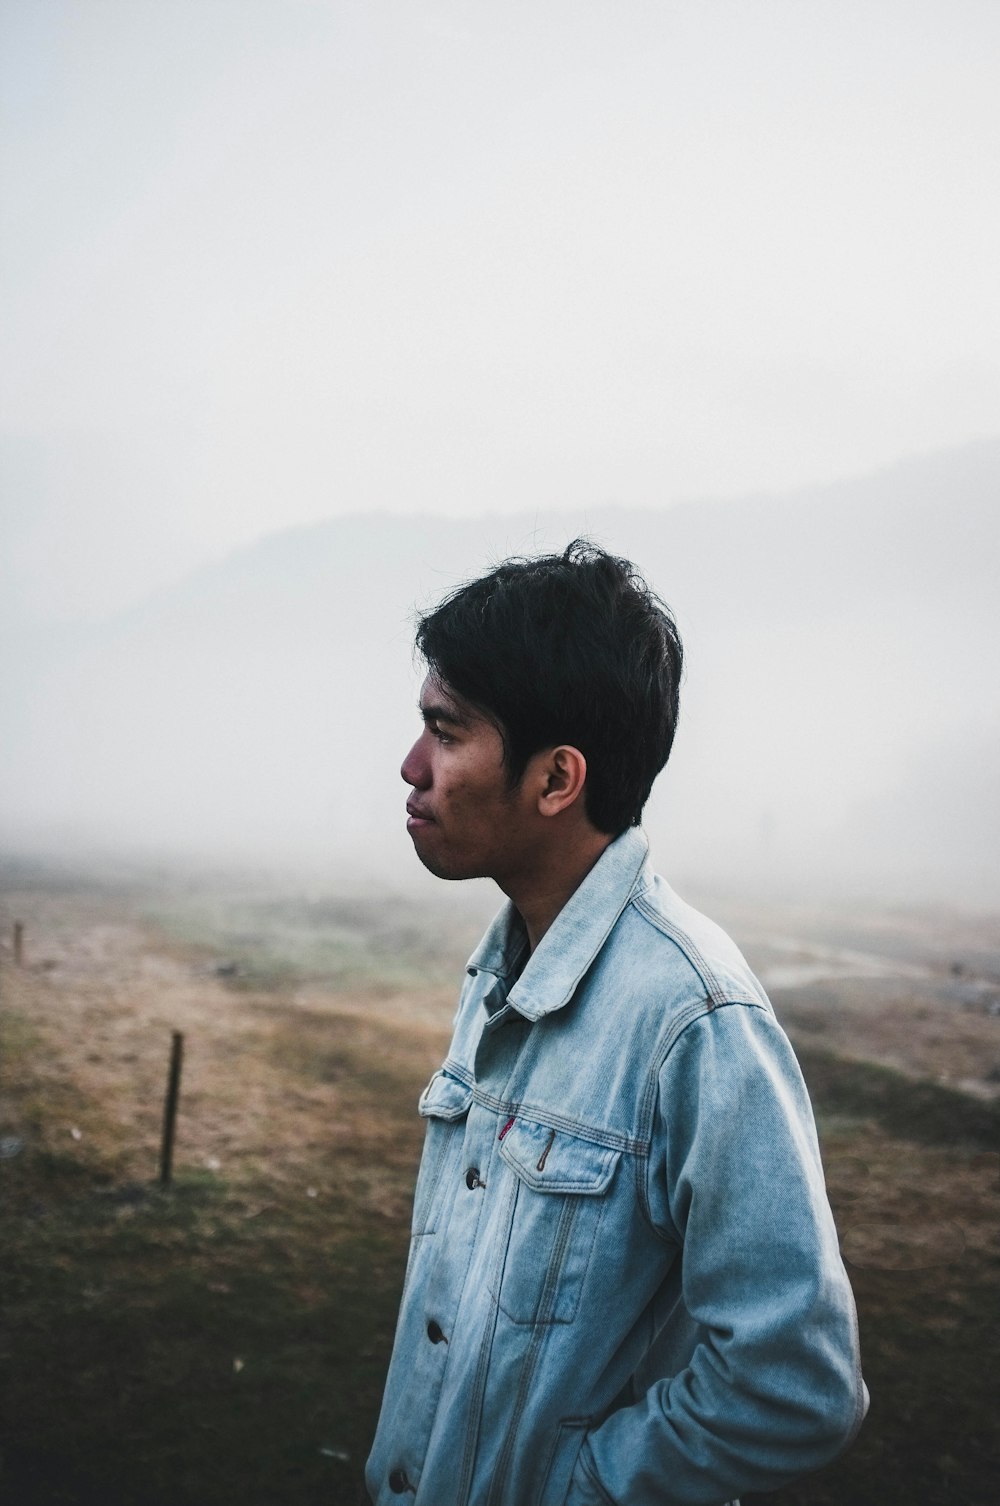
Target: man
{"points": [[624, 1285]]}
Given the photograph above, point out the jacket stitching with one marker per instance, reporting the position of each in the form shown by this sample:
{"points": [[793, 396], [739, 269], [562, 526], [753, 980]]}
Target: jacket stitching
{"points": [[531, 1358], [509, 1107], [586, 963], [482, 1369], [691, 1016], [717, 991]]}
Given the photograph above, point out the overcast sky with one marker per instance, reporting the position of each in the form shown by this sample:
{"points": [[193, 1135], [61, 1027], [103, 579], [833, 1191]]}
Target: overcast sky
{"points": [[264, 261]]}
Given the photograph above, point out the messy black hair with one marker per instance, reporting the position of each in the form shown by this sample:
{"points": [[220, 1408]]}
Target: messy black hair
{"points": [[567, 648]]}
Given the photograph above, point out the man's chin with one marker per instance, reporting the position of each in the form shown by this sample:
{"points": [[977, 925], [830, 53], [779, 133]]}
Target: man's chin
{"points": [[441, 866]]}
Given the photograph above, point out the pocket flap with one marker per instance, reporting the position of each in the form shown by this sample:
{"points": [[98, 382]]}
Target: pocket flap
{"points": [[445, 1098], [555, 1161]]}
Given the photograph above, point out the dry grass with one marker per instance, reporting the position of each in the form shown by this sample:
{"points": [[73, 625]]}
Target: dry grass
{"points": [[225, 1341], [215, 1339]]}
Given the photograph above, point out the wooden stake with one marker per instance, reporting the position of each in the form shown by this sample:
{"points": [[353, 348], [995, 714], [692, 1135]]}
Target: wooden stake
{"points": [[170, 1108], [18, 943]]}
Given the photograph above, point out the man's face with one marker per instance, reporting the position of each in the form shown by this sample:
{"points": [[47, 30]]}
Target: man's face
{"points": [[462, 818]]}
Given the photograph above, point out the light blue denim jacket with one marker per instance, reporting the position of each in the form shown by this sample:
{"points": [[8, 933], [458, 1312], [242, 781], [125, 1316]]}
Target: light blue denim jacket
{"points": [[624, 1283]]}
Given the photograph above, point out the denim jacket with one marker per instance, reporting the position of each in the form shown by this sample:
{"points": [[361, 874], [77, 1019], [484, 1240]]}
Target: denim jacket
{"points": [[624, 1285]]}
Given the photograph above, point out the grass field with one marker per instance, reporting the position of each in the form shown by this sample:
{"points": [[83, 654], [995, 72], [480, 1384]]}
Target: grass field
{"points": [[225, 1340]]}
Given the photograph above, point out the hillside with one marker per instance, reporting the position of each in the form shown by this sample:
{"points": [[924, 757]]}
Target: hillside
{"points": [[840, 723]]}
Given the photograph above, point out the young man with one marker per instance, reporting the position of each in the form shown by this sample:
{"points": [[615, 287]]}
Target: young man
{"points": [[624, 1285]]}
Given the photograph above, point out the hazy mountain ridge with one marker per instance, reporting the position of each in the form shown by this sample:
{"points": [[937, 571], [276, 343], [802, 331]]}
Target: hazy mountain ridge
{"points": [[838, 641]]}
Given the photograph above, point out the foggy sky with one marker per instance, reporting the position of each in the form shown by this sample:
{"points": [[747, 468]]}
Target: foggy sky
{"points": [[266, 261]]}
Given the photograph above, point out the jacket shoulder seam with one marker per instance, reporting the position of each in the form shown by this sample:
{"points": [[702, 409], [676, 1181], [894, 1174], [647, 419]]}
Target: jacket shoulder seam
{"points": [[697, 1010], [717, 991]]}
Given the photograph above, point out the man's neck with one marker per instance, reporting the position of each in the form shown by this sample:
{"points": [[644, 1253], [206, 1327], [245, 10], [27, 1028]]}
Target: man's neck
{"points": [[539, 895]]}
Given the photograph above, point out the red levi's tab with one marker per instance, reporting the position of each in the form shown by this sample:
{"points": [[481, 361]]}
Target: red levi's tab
{"points": [[506, 1127]]}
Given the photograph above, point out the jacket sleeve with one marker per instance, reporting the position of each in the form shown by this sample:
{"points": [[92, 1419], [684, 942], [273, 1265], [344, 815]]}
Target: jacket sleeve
{"points": [[773, 1386]]}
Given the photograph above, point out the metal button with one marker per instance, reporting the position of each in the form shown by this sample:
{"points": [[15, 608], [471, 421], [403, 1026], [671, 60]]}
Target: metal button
{"points": [[434, 1332], [472, 1178], [398, 1482]]}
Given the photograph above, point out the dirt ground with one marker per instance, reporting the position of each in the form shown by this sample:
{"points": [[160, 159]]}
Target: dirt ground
{"points": [[104, 997], [295, 1151]]}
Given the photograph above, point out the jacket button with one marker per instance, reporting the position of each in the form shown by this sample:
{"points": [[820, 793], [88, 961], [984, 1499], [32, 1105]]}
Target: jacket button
{"points": [[472, 1178], [398, 1482], [434, 1332]]}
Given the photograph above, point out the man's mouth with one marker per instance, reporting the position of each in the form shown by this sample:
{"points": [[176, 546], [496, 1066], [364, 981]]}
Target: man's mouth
{"points": [[416, 817]]}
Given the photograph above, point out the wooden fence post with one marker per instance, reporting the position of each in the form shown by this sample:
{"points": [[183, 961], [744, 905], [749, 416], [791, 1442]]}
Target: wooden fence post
{"points": [[18, 943], [170, 1108]]}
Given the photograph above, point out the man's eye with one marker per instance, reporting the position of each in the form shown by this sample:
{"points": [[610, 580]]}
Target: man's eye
{"points": [[442, 737]]}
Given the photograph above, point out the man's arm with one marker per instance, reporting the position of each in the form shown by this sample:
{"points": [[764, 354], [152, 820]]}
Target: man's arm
{"points": [[773, 1389]]}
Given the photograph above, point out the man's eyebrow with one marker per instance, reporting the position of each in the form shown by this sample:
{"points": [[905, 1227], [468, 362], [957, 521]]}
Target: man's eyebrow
{"points": [[450, 714]]}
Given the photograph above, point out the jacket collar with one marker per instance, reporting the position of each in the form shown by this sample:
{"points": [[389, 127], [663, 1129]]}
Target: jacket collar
{"points": [[574, 938]]}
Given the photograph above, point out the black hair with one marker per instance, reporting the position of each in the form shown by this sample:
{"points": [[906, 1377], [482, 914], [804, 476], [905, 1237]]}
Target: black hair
{"points": [[567, 648]]}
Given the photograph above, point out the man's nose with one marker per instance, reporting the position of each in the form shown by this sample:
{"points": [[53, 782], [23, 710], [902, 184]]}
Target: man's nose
{"points": [[414, 768]]}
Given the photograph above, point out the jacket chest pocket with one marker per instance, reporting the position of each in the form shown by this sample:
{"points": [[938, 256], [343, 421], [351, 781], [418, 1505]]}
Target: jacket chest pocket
{"points": [[445, 1105], [559, 1197]]}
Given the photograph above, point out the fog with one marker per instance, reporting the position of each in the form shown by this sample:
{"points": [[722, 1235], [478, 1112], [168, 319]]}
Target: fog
{"points": [[311, 310], [840, 711]]}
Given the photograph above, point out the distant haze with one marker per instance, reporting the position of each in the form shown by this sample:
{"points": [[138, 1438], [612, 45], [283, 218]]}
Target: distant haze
{"points": [[840, 724], [263, 262], [310, 308]]}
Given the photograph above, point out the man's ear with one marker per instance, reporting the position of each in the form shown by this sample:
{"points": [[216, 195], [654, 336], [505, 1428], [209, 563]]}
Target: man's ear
{"points": [[562, 774]]}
